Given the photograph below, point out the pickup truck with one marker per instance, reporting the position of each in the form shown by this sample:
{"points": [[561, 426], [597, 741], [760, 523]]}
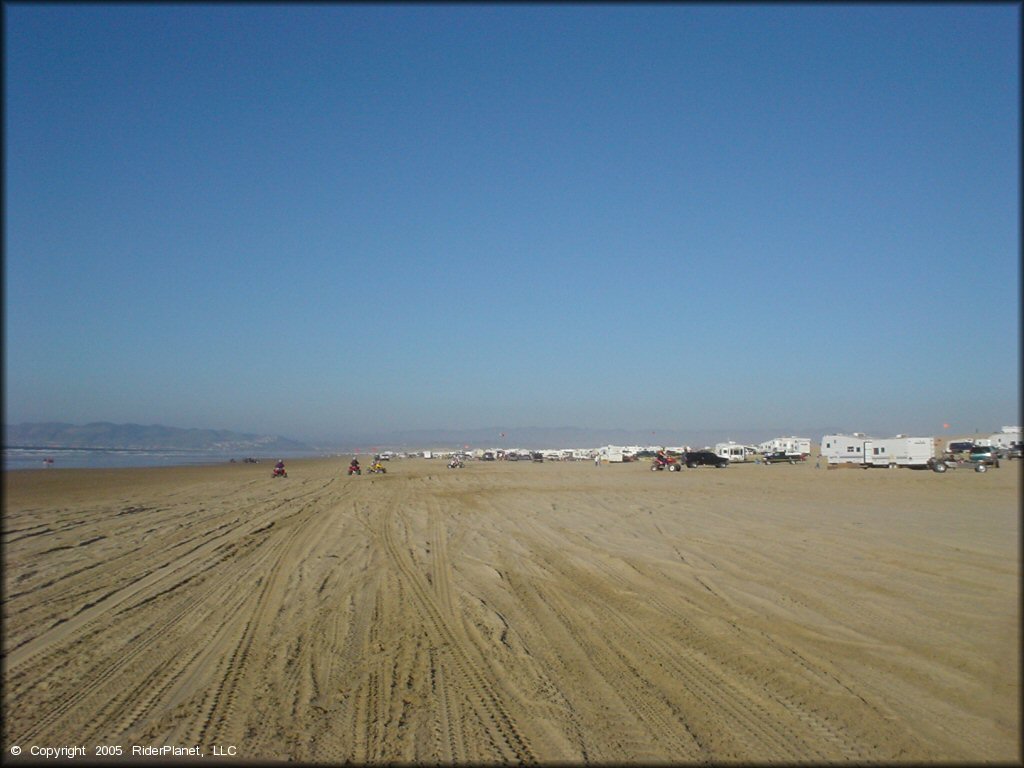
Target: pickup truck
{"points": [[781, 457]]}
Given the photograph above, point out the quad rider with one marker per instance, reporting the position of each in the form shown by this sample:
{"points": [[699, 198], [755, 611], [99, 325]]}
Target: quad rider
{"points": [[663, 461]]}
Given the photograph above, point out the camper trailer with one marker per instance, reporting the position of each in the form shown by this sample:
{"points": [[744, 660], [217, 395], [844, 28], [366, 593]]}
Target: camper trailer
{"points": [[734, 452], [844, 449], [792, 446], [612, 454], [899, 451], [1009, 437]]}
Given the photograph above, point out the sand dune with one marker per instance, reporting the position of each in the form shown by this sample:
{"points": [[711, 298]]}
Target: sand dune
{"points": [[516, 612]]}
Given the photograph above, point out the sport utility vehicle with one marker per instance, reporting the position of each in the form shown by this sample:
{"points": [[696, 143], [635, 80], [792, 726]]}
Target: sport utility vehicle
{"points": [[704, 459]]}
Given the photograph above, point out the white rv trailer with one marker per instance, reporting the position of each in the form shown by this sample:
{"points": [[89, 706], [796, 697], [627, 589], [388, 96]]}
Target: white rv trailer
{"points": [[1009, 437], [789, 445], [899, 451], [844, 449], [734, 452], [611, 453]]}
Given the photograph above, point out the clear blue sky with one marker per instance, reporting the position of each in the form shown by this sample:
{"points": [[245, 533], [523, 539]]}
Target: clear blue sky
{"points": [[327, 220]]}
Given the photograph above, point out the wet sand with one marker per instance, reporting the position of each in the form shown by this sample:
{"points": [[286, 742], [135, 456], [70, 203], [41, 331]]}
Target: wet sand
{"points": [[509, 612]]}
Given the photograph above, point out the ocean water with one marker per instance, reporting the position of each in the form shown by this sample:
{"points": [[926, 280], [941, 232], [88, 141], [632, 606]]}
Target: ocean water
{"points": [[97, 458]]}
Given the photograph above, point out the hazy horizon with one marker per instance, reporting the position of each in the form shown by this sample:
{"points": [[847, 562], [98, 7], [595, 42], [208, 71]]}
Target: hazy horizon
{"points": [[551, 437], [338, 220]]}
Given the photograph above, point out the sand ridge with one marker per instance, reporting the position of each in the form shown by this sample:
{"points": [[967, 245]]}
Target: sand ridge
{"points": [[516, 612]]}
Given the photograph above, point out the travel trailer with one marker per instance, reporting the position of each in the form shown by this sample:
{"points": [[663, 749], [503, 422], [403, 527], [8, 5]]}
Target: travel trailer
{"points": [[844, 449], [900, 451], [789, 445], [1009, 437], [861, 450], [612, 453], [734, 452]]}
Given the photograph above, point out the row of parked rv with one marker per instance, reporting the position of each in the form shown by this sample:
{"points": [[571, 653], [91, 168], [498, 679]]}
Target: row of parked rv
{"points": [[840, 449]]}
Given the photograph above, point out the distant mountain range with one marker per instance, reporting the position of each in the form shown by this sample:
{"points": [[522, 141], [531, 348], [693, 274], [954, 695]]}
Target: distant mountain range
{"points": [[155, 437], [136, 436]]}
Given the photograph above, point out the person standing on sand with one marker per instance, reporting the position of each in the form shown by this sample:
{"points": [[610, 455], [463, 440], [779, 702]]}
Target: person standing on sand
{"points": [[597, 460]]}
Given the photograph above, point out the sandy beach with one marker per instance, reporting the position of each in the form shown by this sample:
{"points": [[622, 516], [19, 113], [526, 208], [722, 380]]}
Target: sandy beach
{"points": [[515, 612]]}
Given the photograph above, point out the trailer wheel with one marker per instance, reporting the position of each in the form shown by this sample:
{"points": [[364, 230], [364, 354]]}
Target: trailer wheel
{"points": [[981, 468], [939, 466]]}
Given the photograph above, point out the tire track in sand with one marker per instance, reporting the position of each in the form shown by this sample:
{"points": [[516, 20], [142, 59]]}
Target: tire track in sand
{"points": [[93, 700], [760, 711], [298, 535], [502, 733], [99, 609]]}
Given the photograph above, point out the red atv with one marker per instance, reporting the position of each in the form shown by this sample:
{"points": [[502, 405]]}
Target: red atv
{"points": [[279, 472], [662, 461]]}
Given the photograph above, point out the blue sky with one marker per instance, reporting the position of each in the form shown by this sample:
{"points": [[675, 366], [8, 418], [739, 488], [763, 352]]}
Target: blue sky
{"points": [[332, 220]]}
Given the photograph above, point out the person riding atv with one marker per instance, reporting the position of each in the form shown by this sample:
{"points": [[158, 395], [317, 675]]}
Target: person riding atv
{"points": [[279, 470], [354, 468], [663, 461], [376, 468]]}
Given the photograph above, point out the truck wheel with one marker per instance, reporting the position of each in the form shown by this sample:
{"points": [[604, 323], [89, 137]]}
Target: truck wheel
{"points": [[981, 468], [940, 466]]}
